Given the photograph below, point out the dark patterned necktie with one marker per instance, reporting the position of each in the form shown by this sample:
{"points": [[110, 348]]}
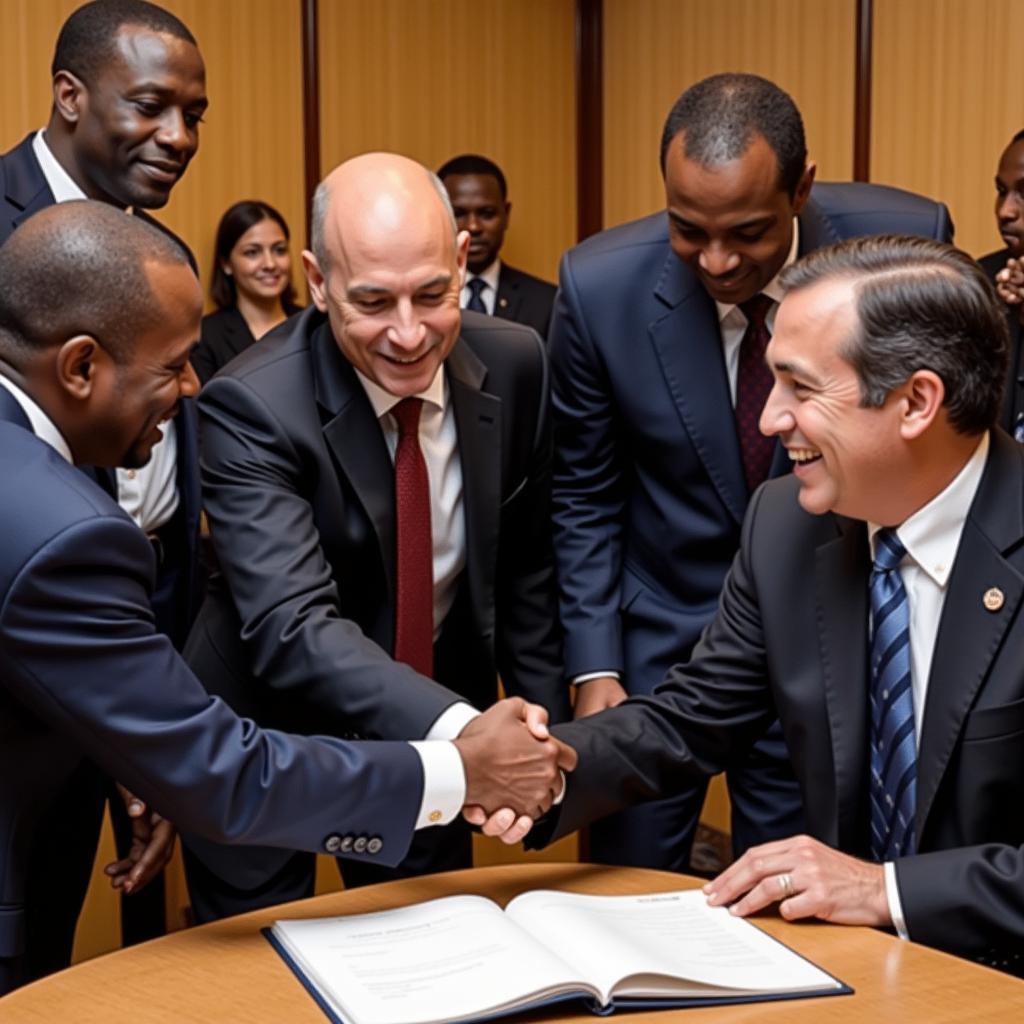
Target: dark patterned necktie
{"points": [[476, 289], [414, 607], [753, 384], [893, 749]]}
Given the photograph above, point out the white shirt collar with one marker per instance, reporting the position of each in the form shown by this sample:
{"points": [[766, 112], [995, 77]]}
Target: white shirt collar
{"points": [[932, 534], [772, 289], [62, 185], [42, 426], [383, 401], [490, 275]]}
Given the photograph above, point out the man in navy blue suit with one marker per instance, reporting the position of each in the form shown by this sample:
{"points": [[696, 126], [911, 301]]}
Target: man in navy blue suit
{"points": [[129, 92], [83, 671], [658, 377]]}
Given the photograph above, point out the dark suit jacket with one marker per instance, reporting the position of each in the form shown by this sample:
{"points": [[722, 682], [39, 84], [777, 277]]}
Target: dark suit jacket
{"points": [[84, 673], [176, 599], [524, 298], [790, 638], [222, 336], [1013, 401], [649, 490]]}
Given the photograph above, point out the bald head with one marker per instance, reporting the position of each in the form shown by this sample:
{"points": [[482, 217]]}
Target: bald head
{"points": [[373, 195], [80, 268], [386, 268]]}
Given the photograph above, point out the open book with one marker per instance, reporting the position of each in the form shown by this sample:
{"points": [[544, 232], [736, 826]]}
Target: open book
{"points": [[463, 958]]}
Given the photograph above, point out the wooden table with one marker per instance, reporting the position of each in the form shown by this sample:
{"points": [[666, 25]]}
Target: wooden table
{"points": [[228, 972]]}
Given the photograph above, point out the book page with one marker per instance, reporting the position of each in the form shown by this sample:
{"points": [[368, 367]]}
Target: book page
{"points": [[674, 934], [444, 960]]}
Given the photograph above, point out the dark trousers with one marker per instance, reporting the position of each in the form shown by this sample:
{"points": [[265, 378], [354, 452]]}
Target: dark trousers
{"points": [[448, 848]]}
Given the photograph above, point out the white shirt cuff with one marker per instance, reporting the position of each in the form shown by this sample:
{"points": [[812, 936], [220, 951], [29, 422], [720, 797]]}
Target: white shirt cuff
{"points": [[892, 896], [444, 782], [452, 721], [587, 676]]}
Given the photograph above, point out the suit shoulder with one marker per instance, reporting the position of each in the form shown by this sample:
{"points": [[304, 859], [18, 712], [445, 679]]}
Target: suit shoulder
{"points": [[857, 208], [521, 279], [503, 346], [46, 496], [648, 231], [284, 350]]}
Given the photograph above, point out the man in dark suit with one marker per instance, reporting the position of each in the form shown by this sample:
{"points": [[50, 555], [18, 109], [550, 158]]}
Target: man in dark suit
{"points": [[322, 561], [1010, 221], [128, 95], [658, 379], [479, 196], [83, 671], [874, 607]]}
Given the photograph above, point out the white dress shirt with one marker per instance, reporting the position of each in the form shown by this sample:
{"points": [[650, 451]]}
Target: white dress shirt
{"points": [[732, 324], [444, 780], [489, 295], [149, 494], [931, 537]]}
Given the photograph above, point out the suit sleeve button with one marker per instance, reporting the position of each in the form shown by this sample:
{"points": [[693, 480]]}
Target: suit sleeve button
{"points": [[346, 845], [375, 845], [359, 846], [332, 844]]}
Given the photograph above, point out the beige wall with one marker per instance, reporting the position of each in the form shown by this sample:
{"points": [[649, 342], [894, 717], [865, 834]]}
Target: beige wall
{"points": [[654, 49], [435, 78], [941, 119]]}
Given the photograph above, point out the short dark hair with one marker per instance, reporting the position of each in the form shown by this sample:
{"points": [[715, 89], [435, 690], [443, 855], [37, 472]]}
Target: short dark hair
{"points": [[721, 115], [921, 305], [237, 219], [86, 40], [472, 163], [1019, 137], [80, 268]]}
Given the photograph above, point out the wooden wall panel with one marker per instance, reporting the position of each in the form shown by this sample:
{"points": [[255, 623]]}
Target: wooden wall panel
{"points": [[434, 78], [947, 99], [251, 143], [654, 49]]}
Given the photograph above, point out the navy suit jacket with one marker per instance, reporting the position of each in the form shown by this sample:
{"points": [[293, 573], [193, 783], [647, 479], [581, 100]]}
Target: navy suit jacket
{"points": [[524, 298], [790, 640], [83, 673], [649, 492], [23, 191]]}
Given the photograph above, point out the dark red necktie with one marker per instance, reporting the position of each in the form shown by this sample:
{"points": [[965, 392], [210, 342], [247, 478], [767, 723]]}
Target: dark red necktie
{"points": [[414, 608], [753, 384]]}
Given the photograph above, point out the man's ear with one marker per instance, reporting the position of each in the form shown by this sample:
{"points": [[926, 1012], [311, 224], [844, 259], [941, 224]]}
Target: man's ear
{"points": [[315, 279], [803, 187], [462, 255], [923, 398], [69, 96], [78, 361]]}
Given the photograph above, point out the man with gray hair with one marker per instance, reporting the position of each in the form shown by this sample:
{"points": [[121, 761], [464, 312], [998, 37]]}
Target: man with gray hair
{"points": [[875, 608], [84, 672], [658, 377], [376, 476]]}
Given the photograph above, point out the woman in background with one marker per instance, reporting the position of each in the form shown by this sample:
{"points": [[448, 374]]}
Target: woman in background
{"points": [[251, 284]]}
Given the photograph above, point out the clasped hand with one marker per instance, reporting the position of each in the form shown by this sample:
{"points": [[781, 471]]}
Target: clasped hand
{"points": [[513, 768]]}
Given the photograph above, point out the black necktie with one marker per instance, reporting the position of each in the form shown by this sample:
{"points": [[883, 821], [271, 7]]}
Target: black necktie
{"points": [[476, 287]]}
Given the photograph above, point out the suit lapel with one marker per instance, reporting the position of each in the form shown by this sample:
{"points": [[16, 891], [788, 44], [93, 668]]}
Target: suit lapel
{"points": [[841, 588], [970, 636], [508, 299], [26, 189], [689, 347], [478, 423], [354, 437], [816, 230]]}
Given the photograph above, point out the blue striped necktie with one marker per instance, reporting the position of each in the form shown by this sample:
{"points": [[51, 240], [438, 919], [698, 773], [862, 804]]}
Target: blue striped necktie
{"points": [[893, 750], [476, 288]]}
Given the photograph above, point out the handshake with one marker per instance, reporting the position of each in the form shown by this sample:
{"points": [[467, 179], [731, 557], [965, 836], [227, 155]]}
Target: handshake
{"points": [[513, 768]]}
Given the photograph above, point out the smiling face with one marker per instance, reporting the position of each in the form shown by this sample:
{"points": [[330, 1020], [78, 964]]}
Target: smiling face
{"points": [[1010, 198], [136, 125], [848, 458], [732, 223], [391, 293], [480, 210], [259, 262], [133, 397]]}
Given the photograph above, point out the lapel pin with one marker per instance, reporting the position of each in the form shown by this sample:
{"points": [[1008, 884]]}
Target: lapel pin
{"points": [[993, 599], [503, 302]]}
